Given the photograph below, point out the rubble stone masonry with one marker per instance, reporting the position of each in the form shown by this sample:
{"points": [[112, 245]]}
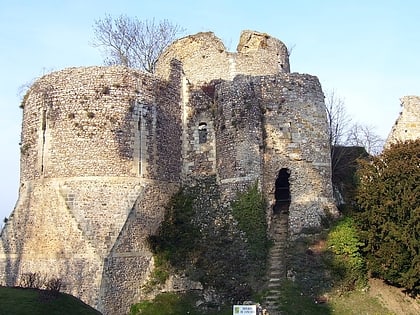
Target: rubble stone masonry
{"points": [[104, 148], [407, 126]]}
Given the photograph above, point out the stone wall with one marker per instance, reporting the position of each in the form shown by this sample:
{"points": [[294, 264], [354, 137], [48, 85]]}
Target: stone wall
{"points": [[268, 123], [80, 122], [94, 141], [204, 57], [240, 140], [43, 237], [104, 148], [199, 138], [407, 126], [297, 139], [129, 263]]}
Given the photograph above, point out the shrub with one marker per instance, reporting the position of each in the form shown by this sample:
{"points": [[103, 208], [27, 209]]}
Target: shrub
{"points": [[389, 214], [32, 280], [177, 235], [347, 260]]}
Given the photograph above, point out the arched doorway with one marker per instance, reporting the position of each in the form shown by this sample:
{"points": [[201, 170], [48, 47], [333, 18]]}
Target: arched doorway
{"points": [[282, 192]]}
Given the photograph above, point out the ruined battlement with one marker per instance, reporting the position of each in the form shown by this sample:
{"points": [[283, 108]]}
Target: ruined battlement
{"points": [[204, 57], [407, 126]]}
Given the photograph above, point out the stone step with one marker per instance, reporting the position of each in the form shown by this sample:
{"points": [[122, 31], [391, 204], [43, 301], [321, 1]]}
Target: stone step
{"points": [[272, 303], [272, 298], [277, 266], [277, 262], [273, 292], [277, 274], [274, 281], [279, 250]]}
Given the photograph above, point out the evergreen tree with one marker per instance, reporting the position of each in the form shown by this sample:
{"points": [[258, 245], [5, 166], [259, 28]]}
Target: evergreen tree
{"points": [[389, 214]]}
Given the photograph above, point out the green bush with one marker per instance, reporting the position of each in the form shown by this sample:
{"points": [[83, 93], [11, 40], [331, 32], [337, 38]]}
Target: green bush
{"points": [[347, 261], [167, 303], [389, 214], [178, 235]]}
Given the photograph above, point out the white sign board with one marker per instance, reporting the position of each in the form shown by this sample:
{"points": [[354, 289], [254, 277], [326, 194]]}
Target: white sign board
{"points": [[244, 309]]}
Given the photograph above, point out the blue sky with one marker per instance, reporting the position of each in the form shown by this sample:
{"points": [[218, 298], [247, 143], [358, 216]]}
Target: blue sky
{"points": [[367, 51]]}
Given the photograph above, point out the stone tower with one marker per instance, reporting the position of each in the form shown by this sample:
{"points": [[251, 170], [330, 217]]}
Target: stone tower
{"points": [[104, 148]]}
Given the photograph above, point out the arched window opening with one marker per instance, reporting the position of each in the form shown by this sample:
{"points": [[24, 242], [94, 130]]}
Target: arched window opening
{"points": [[202, 132], [282, 192]]}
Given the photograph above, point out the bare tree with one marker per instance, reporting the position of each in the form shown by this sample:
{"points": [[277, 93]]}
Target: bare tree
{"points": [[348, 142], [365, 136], [338, 119], [132, 42], [338, 123]]}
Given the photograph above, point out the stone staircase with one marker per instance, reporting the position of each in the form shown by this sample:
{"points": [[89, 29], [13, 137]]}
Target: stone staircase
{"points": [[277, 263]]}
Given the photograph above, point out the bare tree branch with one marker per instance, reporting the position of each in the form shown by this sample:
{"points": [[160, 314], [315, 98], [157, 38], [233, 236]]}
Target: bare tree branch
{"points": [[365, 136], [338, 119], [132, 42], [349, 142]]}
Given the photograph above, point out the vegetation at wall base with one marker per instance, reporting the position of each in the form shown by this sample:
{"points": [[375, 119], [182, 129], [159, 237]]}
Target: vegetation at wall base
{"points": [[249, 211], [322, 279], [344, 256], [176, 304], [388, 216], [177, 237], [28, 301], [224, 248]]}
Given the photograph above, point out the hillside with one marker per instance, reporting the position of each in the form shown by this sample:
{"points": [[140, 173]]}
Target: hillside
{"points": [[19, 301]]}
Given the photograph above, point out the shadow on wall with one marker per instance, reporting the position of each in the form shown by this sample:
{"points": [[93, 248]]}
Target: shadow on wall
{"points": [[127, 265], [16, 225], [155, 118]]}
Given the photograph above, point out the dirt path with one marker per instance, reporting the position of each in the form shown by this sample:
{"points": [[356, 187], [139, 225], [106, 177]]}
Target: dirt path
{"points": [[393, 298]]}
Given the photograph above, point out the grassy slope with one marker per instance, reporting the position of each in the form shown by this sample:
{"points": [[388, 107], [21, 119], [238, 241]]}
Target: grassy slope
{"points": [[314, 279], [37, 302]]}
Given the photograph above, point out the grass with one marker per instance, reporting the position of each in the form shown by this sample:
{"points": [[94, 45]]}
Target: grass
{"points": [[357, 303], [295, 302], [174, 304], [19, 301]]}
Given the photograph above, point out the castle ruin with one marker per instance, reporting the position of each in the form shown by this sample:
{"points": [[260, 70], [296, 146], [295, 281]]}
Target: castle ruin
{"points": [[407, 125], [104, 148]]}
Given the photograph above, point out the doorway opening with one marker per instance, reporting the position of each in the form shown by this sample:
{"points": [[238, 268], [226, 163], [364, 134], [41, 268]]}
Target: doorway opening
{"points": [[282, 192]]}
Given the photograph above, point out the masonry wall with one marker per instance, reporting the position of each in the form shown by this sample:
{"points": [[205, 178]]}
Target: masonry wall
{"points": [[296, 138], [43, 237], [268, 123], [204, 57], [239, 130], [199, 137], [94, 141], [129, 263], [407, 126]]}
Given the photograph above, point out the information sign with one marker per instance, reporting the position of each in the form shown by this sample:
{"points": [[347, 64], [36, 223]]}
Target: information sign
{"points": [[244, 310]]}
